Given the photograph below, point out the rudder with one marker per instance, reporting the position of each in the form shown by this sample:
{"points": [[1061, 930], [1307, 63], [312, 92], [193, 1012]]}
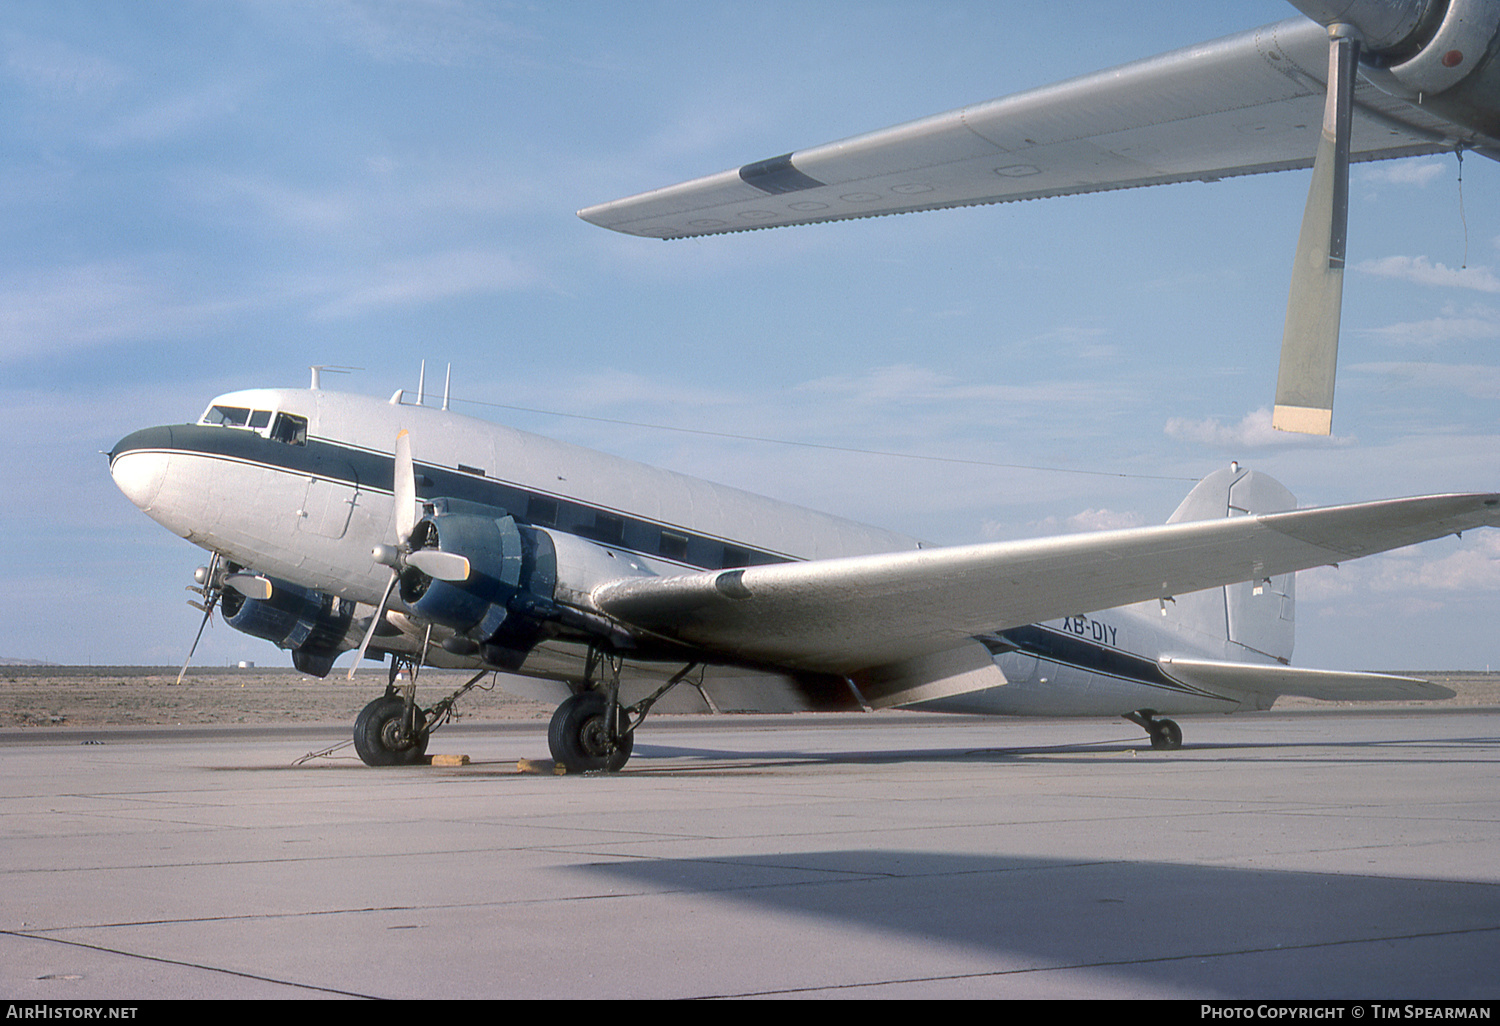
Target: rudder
{"points": [[1256, 615]]}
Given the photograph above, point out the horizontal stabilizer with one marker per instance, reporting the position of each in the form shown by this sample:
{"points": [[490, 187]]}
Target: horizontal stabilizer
{"points": [[1275, 680]]}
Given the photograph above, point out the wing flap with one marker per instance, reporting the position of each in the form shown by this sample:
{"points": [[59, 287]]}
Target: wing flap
{"points": [[1245, 104], [1276, 681], [842, 615]]}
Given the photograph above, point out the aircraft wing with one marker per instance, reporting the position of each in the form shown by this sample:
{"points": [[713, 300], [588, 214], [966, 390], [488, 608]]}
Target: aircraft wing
{"points": [[842, 615], [1329, 685], [1244, 104]]}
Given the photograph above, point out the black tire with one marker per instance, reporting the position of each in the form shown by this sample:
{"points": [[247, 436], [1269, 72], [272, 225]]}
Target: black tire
{"points": [[579, 736], [375, 730], [1167, 736]]}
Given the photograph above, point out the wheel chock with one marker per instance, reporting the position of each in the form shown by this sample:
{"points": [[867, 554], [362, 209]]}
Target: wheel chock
{"points": [[541, 767], [450, 760]]}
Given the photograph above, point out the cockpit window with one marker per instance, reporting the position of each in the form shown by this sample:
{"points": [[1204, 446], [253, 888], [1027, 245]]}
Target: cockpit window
{"points": [[289, 428], [260, 418], [227, 416]]}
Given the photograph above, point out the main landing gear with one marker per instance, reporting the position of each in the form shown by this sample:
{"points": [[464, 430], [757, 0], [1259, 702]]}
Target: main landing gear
{"points": [[591, 731], [393, 730], [1166, 735]]}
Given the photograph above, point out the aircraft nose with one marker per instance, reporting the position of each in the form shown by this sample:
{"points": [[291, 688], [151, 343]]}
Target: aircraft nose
{"points": [[138, 463]]}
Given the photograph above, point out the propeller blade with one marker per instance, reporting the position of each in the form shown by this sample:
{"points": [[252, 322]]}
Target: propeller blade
{"points": [[440, 565], [210, 592], [405, 488], [374, 623], [208, 611], [252, 586], [1310, 341]]}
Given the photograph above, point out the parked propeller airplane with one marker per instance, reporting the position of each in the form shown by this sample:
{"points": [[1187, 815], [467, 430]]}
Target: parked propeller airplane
{"points": [[605, 583], [1355, 80]]}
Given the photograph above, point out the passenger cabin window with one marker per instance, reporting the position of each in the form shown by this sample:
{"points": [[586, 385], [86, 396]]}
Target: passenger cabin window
{"points": [[608, 528], [289, 428], [673, 545], [542, 511]]}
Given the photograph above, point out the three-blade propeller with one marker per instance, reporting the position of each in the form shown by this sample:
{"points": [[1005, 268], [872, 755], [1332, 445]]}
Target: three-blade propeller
{"points": [[439, 565], [211, 582]]}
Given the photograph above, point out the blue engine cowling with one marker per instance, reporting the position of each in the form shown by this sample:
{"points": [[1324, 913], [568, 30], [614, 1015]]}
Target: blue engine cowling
{"points": [[309, 623], [506, 605]]}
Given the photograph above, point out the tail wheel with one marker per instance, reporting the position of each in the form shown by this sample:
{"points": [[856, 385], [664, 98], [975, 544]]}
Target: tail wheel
{"points": [[377, 735], [581, 739], [1167, 736]]}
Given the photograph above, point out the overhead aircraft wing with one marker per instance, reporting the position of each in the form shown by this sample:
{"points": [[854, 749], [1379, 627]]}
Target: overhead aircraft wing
{"points": [[843, 615], [1245, 104], [1329, 685]]}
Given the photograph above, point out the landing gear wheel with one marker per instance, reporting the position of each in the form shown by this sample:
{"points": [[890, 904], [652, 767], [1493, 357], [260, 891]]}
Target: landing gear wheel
{"points": [[579, 735], [376, 735], [1166, 736]]}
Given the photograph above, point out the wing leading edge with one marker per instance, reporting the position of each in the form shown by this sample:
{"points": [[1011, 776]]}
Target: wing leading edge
{"points": [[844, 615], [1245, 104]]}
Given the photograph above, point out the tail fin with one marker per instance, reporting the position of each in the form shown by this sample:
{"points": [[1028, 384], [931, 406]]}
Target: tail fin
{"points": [[1255, 615]]}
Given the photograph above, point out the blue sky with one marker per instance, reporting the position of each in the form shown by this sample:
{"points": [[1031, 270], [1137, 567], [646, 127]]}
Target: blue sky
{"points": [[201, 196]]}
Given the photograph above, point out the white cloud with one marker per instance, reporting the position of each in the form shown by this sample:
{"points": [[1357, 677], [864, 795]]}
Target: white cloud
{"points": [[175, 117], [1254, 431], [437, 32], [93, 304], [1420, 572], [49, 68], [1079, 523], [419, 281], [906, 383], [1475, 380], [1472, 325], [1404, 172], [1422, 271], [1475, 566], [1103, 520]]}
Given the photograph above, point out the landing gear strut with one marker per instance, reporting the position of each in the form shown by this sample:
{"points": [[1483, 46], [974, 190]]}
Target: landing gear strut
{"points": [[1166, 735], [591, 731], [393, 730]]}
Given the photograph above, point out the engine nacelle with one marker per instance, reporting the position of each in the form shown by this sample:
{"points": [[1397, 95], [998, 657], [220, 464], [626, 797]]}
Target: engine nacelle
{"points": [[314, 626], [1455, 42], [1440, 54], [506, 605]]}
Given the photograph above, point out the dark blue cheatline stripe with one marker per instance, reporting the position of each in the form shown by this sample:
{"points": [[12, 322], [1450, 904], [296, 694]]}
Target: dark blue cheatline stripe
{"points": [[372, 471], [777, 176], [1046, 643]]}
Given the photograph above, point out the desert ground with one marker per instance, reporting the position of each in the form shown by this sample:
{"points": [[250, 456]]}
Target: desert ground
{"points": [[46, 697]]}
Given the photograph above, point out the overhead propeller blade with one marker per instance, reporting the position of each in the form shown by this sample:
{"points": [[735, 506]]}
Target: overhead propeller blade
{"points": [[1310, 341]]}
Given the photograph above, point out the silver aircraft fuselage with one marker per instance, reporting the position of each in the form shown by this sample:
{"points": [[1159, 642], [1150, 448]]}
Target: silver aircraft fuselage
{"points": [[297, 485]]}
